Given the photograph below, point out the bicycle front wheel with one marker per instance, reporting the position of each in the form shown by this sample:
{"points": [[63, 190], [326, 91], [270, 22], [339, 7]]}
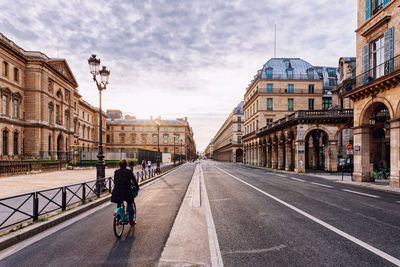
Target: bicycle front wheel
{"points": [[118, 227]]}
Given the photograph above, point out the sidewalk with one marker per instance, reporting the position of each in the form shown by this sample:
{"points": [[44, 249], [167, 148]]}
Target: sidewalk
{"points": [[25, 183]]}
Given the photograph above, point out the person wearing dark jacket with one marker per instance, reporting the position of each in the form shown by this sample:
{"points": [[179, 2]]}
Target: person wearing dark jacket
{"points": [[125, 185]]}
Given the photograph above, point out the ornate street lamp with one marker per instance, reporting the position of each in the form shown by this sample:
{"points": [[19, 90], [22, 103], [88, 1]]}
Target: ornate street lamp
{"points": [[94, 64], [158, 123]]}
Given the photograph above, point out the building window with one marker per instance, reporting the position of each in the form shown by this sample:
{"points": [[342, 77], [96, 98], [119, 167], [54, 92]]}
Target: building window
{"points": [[176, 139], [331, 82], [326, 103], [5, 69], [165, 139], [58, 115], [311, 88], [269, 73], [239, 128], [108, 138], [5, 104], [290, 88], [165, 150], [75, 106], [49, 113], [50, 85], [176, 150], [66, 124], [310, 74], [5, 142], [239, 139], [290, 104], [154, 138], [269, 121], [378, 57], [16, 75], [290, 74], [49, 143], [122, 128], [310, 104], [269, 88], [269, 104], [15, 150], [15, 102]]}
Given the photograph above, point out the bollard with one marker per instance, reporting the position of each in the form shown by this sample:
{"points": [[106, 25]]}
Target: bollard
{"points": [[109, 185], [63, 199]]}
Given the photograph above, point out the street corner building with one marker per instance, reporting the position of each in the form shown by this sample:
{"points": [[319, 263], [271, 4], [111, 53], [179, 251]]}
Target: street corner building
{"points": [[376, 90], [42, 114], [227, 143], [290, 121], [130, 135]]}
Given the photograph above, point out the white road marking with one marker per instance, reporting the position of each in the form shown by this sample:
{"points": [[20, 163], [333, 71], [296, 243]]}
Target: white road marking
{"points": [[398, 202], [255, 251], [281, 175], [359, 193], [215, 252], [324, 224], [324, 185], [297, 179]]}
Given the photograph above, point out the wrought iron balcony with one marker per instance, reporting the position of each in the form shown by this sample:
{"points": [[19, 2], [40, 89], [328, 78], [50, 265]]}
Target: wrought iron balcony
{"points": [[378, 78]]}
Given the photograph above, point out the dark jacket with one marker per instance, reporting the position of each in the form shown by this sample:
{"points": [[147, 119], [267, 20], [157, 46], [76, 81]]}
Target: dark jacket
{"points": [[124, 186]]}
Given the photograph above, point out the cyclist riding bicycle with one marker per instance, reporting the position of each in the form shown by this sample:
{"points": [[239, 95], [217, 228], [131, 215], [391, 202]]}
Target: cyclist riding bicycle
{"points": [[125, 189]]}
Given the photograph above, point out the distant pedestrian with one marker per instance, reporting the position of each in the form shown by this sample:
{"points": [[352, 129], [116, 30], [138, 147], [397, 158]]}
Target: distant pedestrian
{"points": [[149, 164], [143, 164], [301, 165], [131, 165]]}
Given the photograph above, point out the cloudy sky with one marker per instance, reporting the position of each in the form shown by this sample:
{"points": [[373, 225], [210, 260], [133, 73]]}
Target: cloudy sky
{"points": [[179, 58]]}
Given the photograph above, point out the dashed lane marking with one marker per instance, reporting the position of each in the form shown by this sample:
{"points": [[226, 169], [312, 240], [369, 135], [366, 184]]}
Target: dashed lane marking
{"points": [[359, 193], [398, 202], [324, 185], [280, 175], [357, 241], [297, 179]]}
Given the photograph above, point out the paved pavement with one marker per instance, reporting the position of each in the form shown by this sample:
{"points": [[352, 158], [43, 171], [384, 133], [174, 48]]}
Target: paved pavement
{"points": [[20, 184], [256, 218], [91, 242]]}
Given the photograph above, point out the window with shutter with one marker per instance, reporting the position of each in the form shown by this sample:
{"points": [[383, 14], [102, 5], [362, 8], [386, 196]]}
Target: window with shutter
{"points": [[388, 50], [367, 9], [365, 62]]}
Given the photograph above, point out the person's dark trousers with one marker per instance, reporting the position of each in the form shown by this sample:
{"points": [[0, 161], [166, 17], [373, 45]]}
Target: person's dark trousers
{"points": [[130, 209]]}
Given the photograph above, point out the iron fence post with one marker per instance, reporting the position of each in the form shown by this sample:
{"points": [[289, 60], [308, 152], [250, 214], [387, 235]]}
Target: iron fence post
{"points": [[109, 185], [83, 193], [35, 211], [63, 198]]}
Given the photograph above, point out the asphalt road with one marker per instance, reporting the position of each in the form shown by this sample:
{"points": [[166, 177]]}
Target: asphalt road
{"points": [[91, 242], [255, 227]]}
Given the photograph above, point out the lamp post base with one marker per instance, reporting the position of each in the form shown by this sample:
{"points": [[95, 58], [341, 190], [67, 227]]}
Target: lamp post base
{"points": [[100, 175]]}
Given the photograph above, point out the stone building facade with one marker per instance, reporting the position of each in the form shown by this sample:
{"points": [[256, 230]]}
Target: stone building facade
{"points": [[281, 87], [40, 106], [376, 92], [209, 151], [174, 136], [227, 143]]}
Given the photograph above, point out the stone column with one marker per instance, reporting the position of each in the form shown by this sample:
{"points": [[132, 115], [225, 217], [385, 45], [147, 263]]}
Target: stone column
{"points": [[394, 153], [300, 156], [362, 166], [274, 156], [269, 156], [281, 156], [331, 156], [288, 161], [264, 155]]}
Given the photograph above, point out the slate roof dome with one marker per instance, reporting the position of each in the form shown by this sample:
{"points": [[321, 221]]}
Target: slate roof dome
{"points": [[287, 68]]}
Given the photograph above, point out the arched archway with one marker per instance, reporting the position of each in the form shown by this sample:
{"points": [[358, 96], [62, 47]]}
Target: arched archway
{"points": [[281, 152], [60, 147], [315, 145], [239, 155]]}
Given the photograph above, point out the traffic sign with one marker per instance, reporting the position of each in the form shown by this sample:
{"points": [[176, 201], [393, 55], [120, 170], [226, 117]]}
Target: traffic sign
{"points": [[349, 146]]}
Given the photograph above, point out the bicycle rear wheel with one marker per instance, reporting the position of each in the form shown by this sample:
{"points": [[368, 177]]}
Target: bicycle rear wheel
{"points": [[118, 227]]}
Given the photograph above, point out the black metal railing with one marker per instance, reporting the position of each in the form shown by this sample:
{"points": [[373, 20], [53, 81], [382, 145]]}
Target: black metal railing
{"points": [[379, 71], [249, 134], [19, 209]]}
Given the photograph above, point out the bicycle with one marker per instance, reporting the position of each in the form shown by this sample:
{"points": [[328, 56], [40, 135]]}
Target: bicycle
{"points": [[121, 218], [382, 174]]}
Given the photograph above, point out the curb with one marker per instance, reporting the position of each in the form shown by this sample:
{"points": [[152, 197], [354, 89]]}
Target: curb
{"points": [[11, 239]]}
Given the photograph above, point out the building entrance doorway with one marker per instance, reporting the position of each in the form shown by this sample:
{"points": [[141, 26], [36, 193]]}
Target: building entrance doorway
{"points": [[315, 146], [239, 155]]}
